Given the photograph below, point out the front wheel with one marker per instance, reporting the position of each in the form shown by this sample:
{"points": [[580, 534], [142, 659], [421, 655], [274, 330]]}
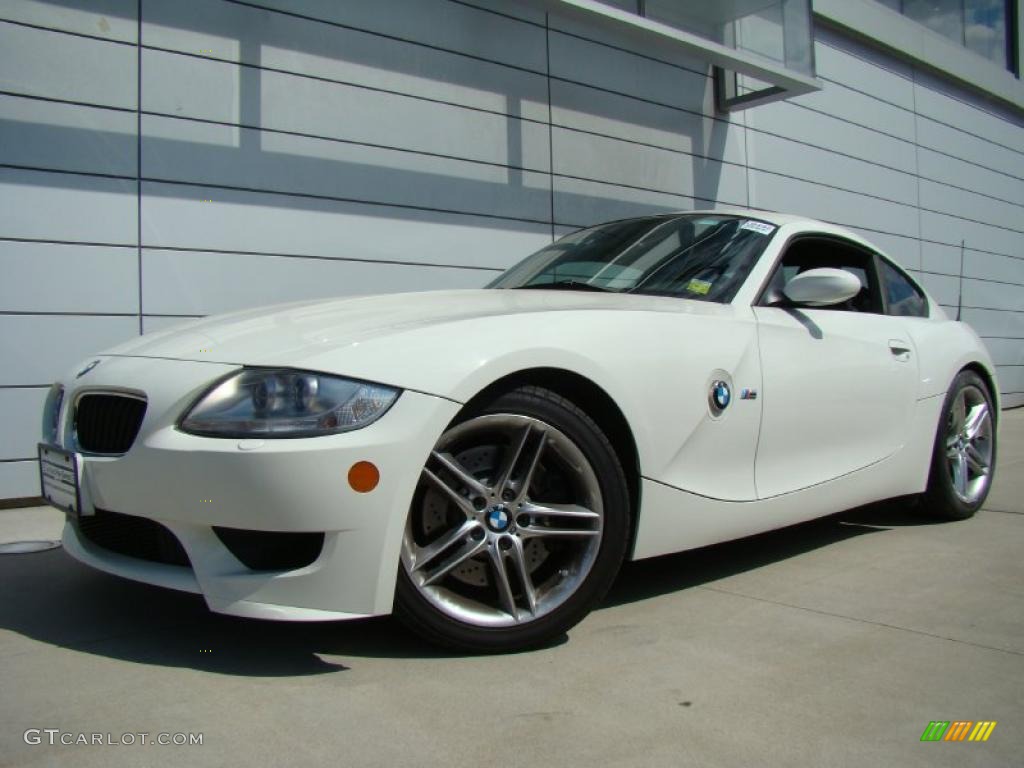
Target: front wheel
{"points": [[517, 528], [964, 455]]}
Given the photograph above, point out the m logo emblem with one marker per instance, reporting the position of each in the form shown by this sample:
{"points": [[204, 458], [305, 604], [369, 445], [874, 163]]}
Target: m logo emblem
{"points": [[958, 730]]}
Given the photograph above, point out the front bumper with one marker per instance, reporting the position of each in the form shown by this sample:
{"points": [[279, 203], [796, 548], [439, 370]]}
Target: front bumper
{"points": [[191, 484]]}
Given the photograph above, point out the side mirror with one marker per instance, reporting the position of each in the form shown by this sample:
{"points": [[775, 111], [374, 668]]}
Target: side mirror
{"points": [[822, 287]]}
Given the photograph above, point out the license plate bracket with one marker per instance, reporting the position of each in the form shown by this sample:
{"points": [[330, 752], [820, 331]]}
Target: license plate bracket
{"points": [[60, 478]]}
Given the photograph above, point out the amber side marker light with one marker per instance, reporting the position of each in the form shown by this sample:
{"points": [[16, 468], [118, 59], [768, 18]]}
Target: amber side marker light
{"points": [[363, 477]]}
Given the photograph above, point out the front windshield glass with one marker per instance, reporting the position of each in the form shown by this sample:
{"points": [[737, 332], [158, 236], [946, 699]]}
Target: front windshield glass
{"points": [[694, 256]]}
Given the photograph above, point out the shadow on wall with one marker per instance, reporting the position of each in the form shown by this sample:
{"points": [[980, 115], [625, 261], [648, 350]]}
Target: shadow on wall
{"points": [[339, 147]]}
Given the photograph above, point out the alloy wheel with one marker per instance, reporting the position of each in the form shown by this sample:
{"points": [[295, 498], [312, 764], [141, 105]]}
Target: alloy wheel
{"points": [[506, 523], [969, 444]]}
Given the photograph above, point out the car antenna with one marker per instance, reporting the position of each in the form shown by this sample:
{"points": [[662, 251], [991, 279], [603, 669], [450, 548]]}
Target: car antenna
{"points": [[960, 284]]}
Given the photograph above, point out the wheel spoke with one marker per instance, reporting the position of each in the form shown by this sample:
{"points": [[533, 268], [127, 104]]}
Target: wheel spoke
{"points": [[975, 420], [463, 476], [469, 549], [511, 460], [546, 532], [508, 602], [429, 553], [454, 496], [976, 461], [565, 511], [958, 413], [959, 468], [524, 485], [519, 558]]}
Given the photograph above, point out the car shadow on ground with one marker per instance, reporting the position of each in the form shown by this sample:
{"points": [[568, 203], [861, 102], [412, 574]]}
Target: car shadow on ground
{"points": [[656, 576], [52, 599]]}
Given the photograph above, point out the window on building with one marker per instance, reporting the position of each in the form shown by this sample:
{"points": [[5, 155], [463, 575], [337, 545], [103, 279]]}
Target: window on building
{"points": [[982, 26]]}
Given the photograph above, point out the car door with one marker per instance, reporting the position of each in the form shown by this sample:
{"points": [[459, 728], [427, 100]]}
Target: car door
{"points": [[839, 384]]}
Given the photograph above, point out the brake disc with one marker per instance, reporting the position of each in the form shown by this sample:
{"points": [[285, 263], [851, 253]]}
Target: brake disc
{"points": [[436, 514]]}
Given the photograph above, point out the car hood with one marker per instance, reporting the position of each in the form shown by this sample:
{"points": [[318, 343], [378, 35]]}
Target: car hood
{"points": [[436, 341], [287, 334]]}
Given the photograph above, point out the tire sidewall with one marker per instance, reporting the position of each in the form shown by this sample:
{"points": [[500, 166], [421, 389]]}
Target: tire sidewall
{"points": [[940, 498]]}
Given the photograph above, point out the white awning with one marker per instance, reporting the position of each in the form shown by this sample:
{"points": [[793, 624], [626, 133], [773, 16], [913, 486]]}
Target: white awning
{"points": [[769, 41]]}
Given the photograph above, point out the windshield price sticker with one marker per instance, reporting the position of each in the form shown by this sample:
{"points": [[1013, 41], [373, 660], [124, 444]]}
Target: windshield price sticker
{"points": [[758, 226], [698, 286]]}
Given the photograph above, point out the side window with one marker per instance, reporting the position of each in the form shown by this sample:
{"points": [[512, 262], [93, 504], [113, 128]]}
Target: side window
{"points": [[812, 252], [903, 297]]}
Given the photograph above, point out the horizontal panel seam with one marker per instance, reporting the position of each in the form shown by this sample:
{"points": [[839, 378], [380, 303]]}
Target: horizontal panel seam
{"points": [[86, 35], [56, 313], [278, 254]]}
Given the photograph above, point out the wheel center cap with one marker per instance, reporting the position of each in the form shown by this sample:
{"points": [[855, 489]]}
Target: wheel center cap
{"points": [[498, 519]]}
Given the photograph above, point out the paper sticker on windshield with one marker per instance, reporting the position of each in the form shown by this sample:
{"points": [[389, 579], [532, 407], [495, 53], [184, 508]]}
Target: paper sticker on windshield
{"points": [[758, 226], [698, 286]]}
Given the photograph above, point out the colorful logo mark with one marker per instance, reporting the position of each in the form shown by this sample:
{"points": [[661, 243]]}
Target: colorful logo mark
{"points": [[958, 730]]}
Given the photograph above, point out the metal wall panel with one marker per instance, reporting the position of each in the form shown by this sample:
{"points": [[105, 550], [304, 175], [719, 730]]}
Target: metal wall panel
{"points": [[36, 349], [55, 277], [817, 129], [188, 86], [305, 148], [67, 137], [67, 207], [306, 46], [19, 479], [113, 19], [204, 283], [233, 220], [582, 203], [21, 408], [38, 62], [228, 156]]}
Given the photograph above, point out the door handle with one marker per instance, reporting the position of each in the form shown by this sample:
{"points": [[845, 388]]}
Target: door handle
{"points": [[900, 350]]}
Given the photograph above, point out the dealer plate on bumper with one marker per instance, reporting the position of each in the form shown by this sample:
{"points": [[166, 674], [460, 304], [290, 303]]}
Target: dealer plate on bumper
{"points": [[60, 478]]}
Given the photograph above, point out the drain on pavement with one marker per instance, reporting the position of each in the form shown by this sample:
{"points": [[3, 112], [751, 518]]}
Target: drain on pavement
{"points": [[24, 547]]}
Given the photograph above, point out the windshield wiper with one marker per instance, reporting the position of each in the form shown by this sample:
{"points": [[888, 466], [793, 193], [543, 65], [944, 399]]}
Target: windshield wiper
{"points": [[568, 285]]}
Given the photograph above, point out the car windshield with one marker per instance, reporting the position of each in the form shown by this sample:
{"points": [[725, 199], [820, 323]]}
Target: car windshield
{"points": [[693, 256]]}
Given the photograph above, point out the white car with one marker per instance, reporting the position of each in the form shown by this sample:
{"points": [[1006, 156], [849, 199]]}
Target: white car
{"points": [[482, 461]]}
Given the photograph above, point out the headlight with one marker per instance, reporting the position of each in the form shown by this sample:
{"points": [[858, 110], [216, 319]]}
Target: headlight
{"points": [[263, 402], [51, 414]]}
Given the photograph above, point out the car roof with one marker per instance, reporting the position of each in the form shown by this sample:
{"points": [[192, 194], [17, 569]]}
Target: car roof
{"points": [[798, 223], [773, 217], [795, 223]]}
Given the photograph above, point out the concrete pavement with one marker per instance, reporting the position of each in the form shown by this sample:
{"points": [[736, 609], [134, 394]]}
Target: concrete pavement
{"points": [[831, 643]]}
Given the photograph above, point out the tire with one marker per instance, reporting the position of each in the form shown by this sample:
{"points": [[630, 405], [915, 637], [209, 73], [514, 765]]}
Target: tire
{"points": [[517, 528], [964, 454]]}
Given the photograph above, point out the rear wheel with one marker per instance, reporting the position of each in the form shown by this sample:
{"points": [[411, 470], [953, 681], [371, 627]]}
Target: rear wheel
{"points": [[517, 528], [964, 455]]}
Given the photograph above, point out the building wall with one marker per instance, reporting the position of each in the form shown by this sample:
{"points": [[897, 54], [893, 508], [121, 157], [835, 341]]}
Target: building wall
{"points": [[312, 148]]}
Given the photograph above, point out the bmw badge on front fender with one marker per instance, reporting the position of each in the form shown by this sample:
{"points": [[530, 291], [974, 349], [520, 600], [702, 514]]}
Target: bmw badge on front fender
{"points": [[719, 397]]}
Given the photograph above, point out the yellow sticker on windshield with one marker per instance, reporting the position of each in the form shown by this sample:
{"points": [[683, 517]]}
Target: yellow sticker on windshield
{"points": [[698, 286]]}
